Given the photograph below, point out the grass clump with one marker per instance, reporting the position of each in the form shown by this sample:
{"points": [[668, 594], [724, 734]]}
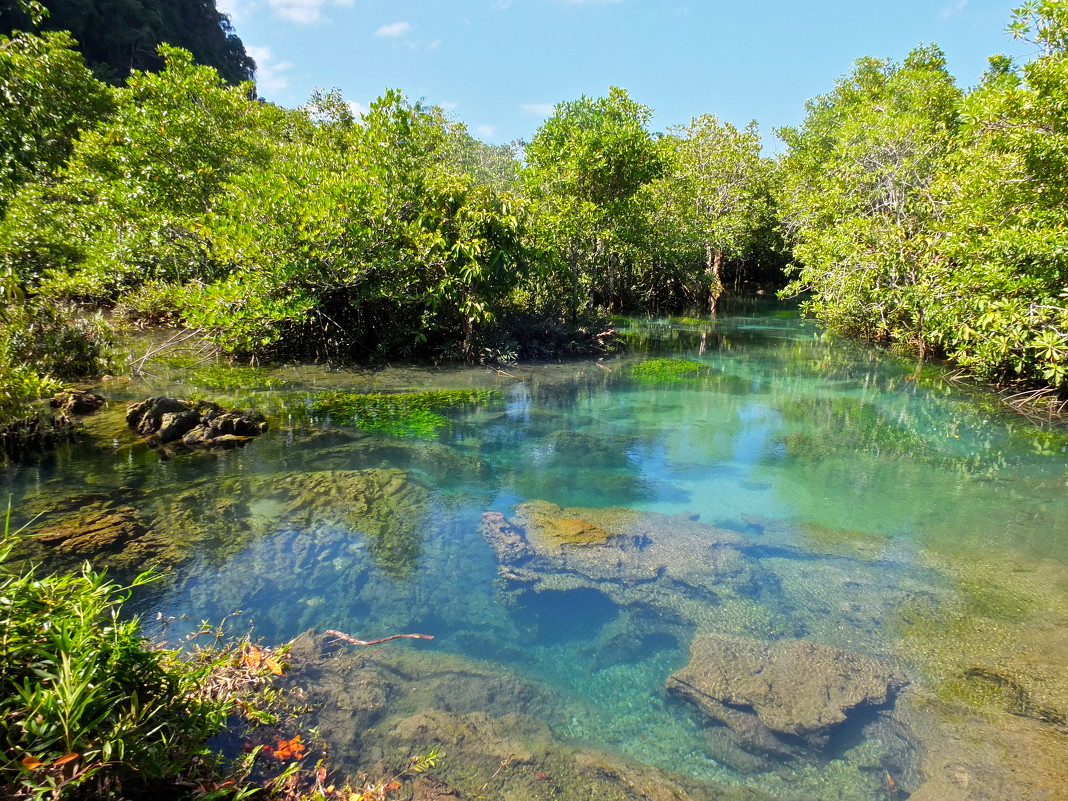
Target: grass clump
{"points": [[671, 371], [410, 415]]}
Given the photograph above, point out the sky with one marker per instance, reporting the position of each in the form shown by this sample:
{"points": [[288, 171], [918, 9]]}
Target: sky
{"points": [[500, 66]]}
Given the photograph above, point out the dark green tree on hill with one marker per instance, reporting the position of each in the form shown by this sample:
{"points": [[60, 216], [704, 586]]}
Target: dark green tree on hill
{"points": [[118, 36]]}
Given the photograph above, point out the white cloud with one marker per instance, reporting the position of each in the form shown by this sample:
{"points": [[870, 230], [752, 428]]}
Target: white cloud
{"points": [[236, 10], [486, 131], [358, 109], [536, 109], [394, 29], [953, 9], [270, 74], [501, 5], [448, 105], [303, 12]]}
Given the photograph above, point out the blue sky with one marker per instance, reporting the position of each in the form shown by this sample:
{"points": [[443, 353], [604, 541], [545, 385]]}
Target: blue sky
{"points": [[500, 65]]}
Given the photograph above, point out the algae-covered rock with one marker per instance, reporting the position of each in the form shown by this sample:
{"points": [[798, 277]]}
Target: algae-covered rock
{"points": [[773, 695], [585, 574], [990, 757], [387, 506], [102, 530], [542, 542]]}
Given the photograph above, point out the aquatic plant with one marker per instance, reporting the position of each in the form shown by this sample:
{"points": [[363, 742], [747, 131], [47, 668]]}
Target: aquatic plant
{"points": [[223, 378], [412, 415], [670, 371]]}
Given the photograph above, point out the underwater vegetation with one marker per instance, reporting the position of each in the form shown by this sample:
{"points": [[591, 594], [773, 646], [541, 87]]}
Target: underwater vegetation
{"points": [[413, 415], [223, 378], [670, 371]]}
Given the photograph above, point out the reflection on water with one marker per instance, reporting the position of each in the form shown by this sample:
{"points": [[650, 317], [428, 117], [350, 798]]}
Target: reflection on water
{"points": [[799, 491]]}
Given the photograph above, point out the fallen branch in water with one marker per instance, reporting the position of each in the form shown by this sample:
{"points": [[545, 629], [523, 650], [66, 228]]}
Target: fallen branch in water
{"points": [[343, 637]]}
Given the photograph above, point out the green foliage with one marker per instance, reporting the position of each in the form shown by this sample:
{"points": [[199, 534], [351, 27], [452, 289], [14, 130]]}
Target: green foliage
{"points": [[55, 340], [85, 704], [585, 166], [20, 385], [127, 207], [412, 415], [857, 194], [712, 206], [47, 96], [1003, 309], [937, 221]]}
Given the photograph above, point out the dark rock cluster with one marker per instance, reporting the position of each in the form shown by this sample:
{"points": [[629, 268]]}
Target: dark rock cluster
{"points": [[176, 426]]}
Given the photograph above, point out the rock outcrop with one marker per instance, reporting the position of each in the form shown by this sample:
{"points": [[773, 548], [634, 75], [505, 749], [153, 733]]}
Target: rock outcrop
{"points": [[779, 699], [176, 426]]}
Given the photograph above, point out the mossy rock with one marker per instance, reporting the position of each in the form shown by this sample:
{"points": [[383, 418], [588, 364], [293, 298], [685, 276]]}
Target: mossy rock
{"points": [[554, 530], [102, 530]]}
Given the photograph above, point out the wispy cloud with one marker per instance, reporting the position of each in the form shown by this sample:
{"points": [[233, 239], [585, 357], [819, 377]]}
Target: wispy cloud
{"points": [[433, 45], [448, 105], [303, 12], [953, 9], [536, 109], [270, 73], [236, 10], [358, 109], [500, 5], [486, 131], [394, 29]]}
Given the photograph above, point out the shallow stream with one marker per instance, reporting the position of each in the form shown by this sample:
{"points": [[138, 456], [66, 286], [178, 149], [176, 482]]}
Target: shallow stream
{"points": [[874, 507]]}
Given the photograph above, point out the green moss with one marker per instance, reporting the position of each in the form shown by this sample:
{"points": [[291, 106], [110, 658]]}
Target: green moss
{"points": [[413, 415], [671, 371]]}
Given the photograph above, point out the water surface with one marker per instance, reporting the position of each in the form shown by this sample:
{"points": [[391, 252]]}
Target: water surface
{"points": [[883, 511]]}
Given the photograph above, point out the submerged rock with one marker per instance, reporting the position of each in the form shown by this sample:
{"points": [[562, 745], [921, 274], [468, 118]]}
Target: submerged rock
{"points": [[175, 426], [376, 709], [669, 562], [116, 532], [782, 698]]}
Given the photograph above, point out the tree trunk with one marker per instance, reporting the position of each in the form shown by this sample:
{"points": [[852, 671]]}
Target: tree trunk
{"points": [[714, 265]]}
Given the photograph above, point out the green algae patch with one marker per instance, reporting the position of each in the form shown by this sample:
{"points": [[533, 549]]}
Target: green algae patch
{"points": [[555, 527], [407, 415], [671, 371], [221, 378]]}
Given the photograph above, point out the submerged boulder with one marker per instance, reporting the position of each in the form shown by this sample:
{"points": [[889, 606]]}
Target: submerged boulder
{"points": [[781, 698], [102, 529], [495, 725], [176, 426]]}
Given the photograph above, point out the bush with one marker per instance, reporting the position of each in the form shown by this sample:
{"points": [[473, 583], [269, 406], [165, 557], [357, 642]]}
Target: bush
{"points": [[55, 339], [86, 706]]}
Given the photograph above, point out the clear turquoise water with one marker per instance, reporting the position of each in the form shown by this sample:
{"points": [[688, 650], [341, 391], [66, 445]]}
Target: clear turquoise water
{"points": [[863, 485]]}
